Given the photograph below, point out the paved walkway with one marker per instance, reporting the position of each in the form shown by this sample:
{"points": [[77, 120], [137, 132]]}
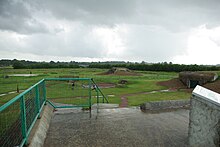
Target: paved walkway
{"points": [[118, 127]]}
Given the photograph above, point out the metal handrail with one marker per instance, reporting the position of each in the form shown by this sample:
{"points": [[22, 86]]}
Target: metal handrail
{"points": [[104, 97]]}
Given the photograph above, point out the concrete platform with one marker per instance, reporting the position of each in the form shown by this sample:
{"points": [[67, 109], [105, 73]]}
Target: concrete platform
{"points": [[118, 127]]}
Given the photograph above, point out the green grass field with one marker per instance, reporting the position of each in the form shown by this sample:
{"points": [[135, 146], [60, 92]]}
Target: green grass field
{"points": [[136, 84], [137, 100]]}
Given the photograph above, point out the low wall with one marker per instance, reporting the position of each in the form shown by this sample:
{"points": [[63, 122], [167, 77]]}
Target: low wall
{"points": [[38, 133], [204, 123], [167, 104]]}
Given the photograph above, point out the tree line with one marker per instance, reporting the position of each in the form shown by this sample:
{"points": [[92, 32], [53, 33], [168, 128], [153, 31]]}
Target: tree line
{"points": [[158, 67], [164, 66], [22, 64]]}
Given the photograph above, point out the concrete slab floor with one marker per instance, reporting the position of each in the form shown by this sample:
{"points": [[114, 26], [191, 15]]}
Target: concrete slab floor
{"points": [[118, 127]]}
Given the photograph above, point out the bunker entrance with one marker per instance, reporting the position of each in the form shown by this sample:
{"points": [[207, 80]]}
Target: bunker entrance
{"points": [[193, 83]]}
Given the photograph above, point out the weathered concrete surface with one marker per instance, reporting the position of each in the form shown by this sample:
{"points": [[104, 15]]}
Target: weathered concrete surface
{"points": [[204, 127], [118, 127], [38, 133]]}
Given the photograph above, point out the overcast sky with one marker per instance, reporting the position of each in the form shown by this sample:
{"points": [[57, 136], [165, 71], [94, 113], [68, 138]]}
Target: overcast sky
{"points": [[178, 31]]}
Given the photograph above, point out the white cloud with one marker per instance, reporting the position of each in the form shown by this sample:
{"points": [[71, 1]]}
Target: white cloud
{"points": [[202, 47]]}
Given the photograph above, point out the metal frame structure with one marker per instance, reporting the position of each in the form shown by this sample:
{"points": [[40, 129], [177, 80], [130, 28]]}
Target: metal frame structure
{"points": [[31, 103], [91, 82]]}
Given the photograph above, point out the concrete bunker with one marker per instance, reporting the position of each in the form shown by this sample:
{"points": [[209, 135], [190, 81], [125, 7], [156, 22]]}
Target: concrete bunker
{"points": [[192, 79]]}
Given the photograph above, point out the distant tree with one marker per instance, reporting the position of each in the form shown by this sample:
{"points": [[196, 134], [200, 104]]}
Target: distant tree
{"points": [[18, 65]]}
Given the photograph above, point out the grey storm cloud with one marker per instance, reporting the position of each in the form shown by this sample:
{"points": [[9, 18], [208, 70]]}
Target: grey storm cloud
{"points": [[155, 30], [78, 43], [15, 16], [175, 15], [157, 45]]}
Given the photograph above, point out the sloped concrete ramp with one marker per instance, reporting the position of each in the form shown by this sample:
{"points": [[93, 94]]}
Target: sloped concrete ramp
{"points": [[118, 127]]}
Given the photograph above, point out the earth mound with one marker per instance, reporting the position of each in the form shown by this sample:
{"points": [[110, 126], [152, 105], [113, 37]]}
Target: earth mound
{"points": [[120, 71], [172, 84]]}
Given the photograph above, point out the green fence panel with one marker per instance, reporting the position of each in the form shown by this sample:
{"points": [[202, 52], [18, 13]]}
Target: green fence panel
{"points": [[18, 116], [11, 125], [41, 92]]}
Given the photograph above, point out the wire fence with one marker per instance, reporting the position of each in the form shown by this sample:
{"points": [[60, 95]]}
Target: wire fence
{"points": [[10, 125], [17, 117]]}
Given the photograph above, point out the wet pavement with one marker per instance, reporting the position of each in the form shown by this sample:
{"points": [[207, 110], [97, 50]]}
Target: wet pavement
{"points": [[118, 127]]}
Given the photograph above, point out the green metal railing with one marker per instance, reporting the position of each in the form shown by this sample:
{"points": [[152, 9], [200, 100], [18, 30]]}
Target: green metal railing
{"points": [[98, 90], [60, 94], [18, 116]]}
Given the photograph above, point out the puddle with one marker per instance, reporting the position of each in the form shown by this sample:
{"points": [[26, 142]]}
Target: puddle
{"points": [[111, 95], [3, 94], [23, 75]]}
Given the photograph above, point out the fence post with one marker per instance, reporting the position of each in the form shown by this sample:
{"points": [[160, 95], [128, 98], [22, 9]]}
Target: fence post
{"points": [[103, 99], [44, 92], [23, 118], [37, 100], [90, 94], [97, 93]]}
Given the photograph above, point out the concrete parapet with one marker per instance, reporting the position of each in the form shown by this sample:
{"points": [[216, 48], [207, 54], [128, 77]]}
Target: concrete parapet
{"points": [[204, 125]]}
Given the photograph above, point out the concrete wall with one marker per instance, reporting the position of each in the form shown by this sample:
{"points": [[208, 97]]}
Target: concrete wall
{"points": [[166, 104], [204, 123]]}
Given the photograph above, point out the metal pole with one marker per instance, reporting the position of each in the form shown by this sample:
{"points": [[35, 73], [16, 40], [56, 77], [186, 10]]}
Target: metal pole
{"points": [[90, 94], [44, 92], [23, 118], [37, 97], [97, 94]]}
